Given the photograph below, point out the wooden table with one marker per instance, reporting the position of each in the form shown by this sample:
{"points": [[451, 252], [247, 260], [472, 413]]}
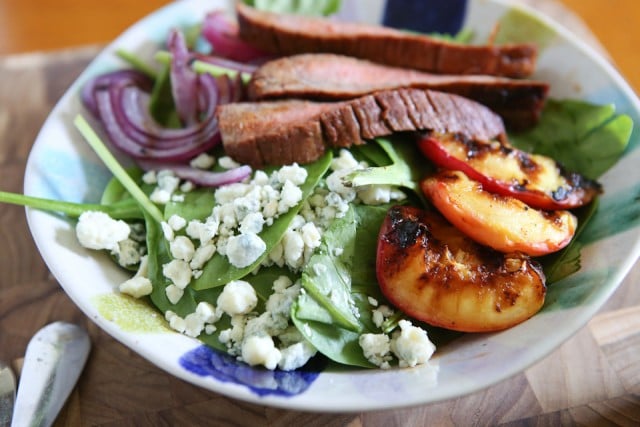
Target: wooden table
{"points": [[593, 379]]}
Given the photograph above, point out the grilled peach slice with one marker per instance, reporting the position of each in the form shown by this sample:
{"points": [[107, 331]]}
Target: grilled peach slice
{"points": [[432, 272], [504, 223], [537, 180]]}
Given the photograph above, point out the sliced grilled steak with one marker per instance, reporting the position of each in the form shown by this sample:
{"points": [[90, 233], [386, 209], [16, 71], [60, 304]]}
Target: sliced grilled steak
{"points": [[293, 34], [329, 77], [283, 132]]}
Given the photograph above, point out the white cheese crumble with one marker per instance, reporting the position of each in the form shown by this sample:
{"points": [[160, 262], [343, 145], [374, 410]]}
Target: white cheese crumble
{"points": [[244, 249], [237, 297], [203, 161], [227, 162], [139, 285], [176, 222], [167, 183], [411, 345], [296, 355], [376, 348], [260, 350], [174, 293], [97, 230], [178, 271], [182, 248]]}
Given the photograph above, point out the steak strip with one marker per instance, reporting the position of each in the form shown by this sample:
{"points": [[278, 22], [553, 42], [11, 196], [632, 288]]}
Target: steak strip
{"points": [[284, 132], [329, 77], [293, 34]]}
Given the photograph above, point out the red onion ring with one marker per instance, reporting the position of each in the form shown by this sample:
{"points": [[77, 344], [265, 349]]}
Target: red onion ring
{"points": [[222, 34], [204, 178], [230, 64], [133, 131], [184, 82]]}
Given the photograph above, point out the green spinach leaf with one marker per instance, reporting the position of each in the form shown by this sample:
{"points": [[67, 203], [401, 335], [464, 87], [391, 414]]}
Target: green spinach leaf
{"points": [[334, 310], [407, 166], [583, 137], [299, 7]]}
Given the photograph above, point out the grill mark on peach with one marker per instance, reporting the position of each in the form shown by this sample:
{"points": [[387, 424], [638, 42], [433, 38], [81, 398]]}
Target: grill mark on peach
{"points": [[424, 279]]}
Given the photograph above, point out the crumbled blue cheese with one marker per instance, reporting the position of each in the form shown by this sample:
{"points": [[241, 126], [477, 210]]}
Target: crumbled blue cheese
{"points": [[208, 312], [237, 297], [379, 194], [261, 350], [296, 355], [182, 248], [150, 177], [176, 222], [203, 161], [252, 223], [411, 345], [232, 337], [178, 271], [294, 173], [194, 324], [380, 314], [201, 255], [376, 348], [128, 253], [227, 162], [139, 285], [173, 293], [244, 249], [176, 322], [167, 231], [167, 184], [97, 230]]}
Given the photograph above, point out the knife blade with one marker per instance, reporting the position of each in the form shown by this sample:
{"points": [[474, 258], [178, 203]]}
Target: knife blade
{"points": [[7, 394], [53, 362]]}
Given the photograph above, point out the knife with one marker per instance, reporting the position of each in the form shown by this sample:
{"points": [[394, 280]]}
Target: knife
{"points": [[53, 362], [7, 394]]}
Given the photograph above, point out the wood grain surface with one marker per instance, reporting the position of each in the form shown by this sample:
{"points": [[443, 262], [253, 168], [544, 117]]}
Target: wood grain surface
{"points": [[593, 379]]}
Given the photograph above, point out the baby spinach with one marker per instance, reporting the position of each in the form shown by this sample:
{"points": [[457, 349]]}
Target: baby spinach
{"points": [[157, 255], [218, 271], [584, 137], [197, 204], [406, 168], [566, 262], [338, 344], [300, 7], [334, 310], [326, 276], [125, 209]]}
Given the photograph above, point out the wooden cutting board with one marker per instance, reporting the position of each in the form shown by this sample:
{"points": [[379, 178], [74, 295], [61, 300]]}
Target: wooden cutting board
{"points": [[593, 379]]}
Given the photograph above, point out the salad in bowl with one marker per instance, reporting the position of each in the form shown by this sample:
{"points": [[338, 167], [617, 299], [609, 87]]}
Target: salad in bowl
{"points": [[275, 205]]}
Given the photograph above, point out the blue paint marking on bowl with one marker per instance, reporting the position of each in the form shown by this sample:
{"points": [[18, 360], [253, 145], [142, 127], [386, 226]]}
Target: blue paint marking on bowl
{"points": [[426, 16], [205, 361]]}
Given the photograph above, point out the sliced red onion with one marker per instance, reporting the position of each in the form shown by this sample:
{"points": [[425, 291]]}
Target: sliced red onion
{"points": [[213, 179], [230, 90], [242, 67], [121, 102], [184, 81], [222, 33], [103, 81], [204, 178]]}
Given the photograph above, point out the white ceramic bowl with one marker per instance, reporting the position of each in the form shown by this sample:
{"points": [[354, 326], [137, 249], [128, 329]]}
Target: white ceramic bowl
{"points": [[62, 166]]}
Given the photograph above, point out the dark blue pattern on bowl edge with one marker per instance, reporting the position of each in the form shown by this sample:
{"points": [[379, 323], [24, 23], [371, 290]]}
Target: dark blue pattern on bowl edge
{"points": [[426, 16], [204, 361]]}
